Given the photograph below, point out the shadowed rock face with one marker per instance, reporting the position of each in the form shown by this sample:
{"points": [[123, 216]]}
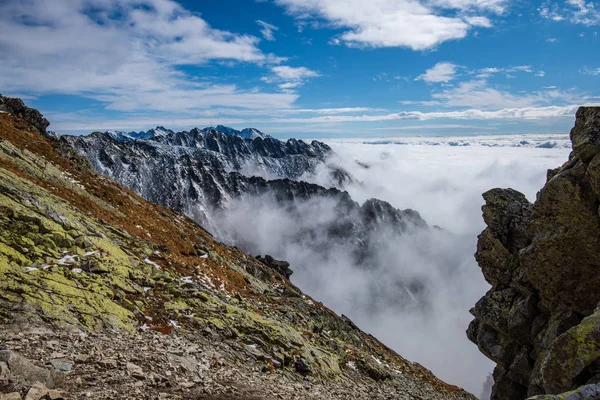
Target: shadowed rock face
{"points": [[539, 322]]}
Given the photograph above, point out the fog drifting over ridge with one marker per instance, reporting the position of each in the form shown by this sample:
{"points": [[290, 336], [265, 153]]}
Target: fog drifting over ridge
{"points": [[415, 292]]}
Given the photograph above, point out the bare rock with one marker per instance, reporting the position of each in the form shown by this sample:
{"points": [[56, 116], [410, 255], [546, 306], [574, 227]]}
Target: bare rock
{"points": [[17, 107], [538, 322]]}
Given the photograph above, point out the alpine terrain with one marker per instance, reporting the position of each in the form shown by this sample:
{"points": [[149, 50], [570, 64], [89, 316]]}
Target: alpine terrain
{"points": [[105, 295]]}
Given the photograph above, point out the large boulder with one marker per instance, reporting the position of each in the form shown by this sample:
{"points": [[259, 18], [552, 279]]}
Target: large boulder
{"points": [[539, 321], [16, 107]]}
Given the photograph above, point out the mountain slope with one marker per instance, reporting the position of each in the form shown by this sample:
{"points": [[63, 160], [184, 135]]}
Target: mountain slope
{"points": [[133, 300], [540, 322]]}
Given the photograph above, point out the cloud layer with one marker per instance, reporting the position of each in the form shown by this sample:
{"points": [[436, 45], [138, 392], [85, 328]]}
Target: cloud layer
{"points": [[416, 292]]}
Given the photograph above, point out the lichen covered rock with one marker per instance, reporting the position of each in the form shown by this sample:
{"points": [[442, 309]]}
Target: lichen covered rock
{"points": [[538, 322]]}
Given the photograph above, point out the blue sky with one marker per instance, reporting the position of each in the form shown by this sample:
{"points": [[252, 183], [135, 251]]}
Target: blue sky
{"points": [[304, 68]]}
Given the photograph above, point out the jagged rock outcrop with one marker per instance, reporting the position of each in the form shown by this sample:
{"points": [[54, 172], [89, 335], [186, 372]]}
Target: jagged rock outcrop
{"points": [[283, 267], [17, 107], [133, 300], [540, 322]]}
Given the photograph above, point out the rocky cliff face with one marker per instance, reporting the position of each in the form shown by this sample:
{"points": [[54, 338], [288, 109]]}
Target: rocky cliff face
{"points": [[17, 107], [540, 322], [104, 295]]}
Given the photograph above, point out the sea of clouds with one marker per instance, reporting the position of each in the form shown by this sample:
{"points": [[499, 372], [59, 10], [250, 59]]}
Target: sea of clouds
{"points": [[415, 291]]}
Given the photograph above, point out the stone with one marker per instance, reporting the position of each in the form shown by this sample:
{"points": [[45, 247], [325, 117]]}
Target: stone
{"points": [[62, 365], [570, 354], [301, 366], [283, 267], [108, 363], [37, 392], [539, 322], [17, 107], [587, 392], [56, 395], [136, 371], [82, 358], [586, 133], [24, 372], [11, 396]]}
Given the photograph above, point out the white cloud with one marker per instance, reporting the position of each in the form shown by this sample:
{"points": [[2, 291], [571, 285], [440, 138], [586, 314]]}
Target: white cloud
{"points": [[508, 72], [415, 24], [552, 40], [343, 110], [440, 72], [289, 78], [573, 11], [293, 74], [590, 71], [520, 114], [479, 94], [482, 22], [435, 127], [126, 53], [267, 30]]}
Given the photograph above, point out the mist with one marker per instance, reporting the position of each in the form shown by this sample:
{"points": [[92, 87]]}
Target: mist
{"points": [[415, 289]]}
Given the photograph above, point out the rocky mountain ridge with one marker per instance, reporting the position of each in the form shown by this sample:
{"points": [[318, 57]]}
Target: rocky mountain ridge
{"points": [[540, 322], [199, 171], [204, 173], [104, 295]]}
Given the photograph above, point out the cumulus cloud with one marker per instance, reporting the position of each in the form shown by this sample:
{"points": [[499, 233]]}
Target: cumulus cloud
{"points": [[418, 25], [109, 50], [440, 72], [267, 30]]}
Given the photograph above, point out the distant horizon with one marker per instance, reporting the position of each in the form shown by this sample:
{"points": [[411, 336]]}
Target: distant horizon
{"points": [[345, 135], [298, 68]]}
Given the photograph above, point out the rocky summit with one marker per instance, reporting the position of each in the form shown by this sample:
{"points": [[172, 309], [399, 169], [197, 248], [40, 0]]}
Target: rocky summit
{"points": [[540, 322], [105, 295]]}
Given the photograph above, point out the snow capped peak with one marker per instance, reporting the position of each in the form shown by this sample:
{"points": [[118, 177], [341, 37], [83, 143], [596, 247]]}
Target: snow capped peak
{"points": [[159, 131], [247, 133], [252, 133]]}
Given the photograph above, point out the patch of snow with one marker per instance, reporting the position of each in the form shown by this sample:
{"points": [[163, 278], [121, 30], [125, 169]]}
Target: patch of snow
{"points": [[187, 279], [174, 324], [67, 260], [144, 328], [147, 289], [148, 261], [204, 256], [77, 270], [376, 360], [29, 269], [91, 253], [352, 364]]}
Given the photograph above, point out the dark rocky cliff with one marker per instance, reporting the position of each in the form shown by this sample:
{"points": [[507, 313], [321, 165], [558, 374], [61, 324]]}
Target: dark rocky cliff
{"points": [[540, 322]]}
